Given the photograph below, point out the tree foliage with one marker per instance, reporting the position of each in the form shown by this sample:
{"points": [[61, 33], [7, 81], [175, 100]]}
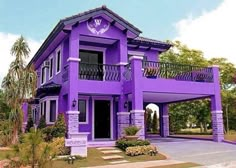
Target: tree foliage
{"points": [[198, 111], [19, 83]]}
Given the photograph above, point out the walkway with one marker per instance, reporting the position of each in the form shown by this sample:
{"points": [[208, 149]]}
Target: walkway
{"points": [[196, 151]]}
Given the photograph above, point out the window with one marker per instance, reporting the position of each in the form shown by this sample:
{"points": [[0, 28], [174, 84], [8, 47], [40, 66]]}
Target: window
{"points": [[51, 68], [43, 75], [52, 117], [49, 109], [58, 61], [83, 111]]}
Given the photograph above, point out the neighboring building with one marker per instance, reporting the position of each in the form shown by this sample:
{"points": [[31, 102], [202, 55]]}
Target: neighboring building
{"points": [[96, 69]]}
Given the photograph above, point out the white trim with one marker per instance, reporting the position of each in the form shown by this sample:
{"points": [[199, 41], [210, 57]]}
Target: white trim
{"points": [[122, 63], [51, 58], [57, 50], [47, 115], [217, 112], [136, 53], [123, 113], [43, 72], [73, 59], [136, 57], [137, 111], [217, 66], [72, 112], [111, 118], [87, 109]]}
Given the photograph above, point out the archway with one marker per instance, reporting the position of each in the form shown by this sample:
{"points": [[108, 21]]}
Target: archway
{"points": [[152, 119]]}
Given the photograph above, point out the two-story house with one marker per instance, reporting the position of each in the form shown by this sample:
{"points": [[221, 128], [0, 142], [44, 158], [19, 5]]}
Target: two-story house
{"points": [[96, 69]]}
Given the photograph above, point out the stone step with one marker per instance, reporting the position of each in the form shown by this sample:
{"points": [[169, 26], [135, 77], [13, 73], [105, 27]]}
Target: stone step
{"points": [[111, 151], [120, 161], [111, 157], [106, 148]]}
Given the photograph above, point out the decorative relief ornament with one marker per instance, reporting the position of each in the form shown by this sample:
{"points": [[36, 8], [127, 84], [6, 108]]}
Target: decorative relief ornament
{"points": [[98, 26]]}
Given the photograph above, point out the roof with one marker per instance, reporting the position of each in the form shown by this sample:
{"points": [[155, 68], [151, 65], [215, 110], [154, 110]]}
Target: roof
{"points": [[80, 17], [149, 42], [48, 89]]}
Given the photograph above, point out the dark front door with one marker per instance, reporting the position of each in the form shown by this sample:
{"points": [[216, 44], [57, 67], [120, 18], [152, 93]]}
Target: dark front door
{"points": [[91, 65], [102, 119]]}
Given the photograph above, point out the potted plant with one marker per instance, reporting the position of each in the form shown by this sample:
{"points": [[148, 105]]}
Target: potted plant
{"points": [[151, 72], [130, 132]]}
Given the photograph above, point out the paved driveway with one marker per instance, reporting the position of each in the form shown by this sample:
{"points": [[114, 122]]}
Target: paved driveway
{"points": [[197, 151]]}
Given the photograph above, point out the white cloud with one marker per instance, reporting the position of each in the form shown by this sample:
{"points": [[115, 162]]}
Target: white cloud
{"points": [[6, 42], [214, 32]]}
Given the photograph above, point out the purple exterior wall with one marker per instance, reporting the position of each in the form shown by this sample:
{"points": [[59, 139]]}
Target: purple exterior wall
{"points": [[113, 42]]}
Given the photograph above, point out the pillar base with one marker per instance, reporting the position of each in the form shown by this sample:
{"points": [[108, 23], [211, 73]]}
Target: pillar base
{"points": [[165, 126], [137, 119], [217, 126], [122, 123]]}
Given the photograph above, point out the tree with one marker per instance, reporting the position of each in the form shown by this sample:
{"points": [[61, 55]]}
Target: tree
{"points": [[149, 119], [30, 124], [19, 83], [59, 129], [154, 123], [42, 123]]}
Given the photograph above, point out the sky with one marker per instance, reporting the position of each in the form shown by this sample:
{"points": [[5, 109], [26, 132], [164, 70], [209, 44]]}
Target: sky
{"points": [[207, 25]]}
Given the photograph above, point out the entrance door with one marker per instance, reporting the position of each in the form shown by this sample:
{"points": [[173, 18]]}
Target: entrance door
{"points": [[91, 65], [102, 119]]}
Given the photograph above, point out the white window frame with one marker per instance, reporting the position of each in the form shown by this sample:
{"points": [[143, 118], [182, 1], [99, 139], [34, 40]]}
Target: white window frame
{"points": [[58, 50], [87, 109], [51, 67], [47, 115], [43, 72]]}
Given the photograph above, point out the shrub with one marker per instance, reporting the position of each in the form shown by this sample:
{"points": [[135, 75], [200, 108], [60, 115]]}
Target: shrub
{"points": [[140, 150], [5, 133], [42, 122], [47, 132], [59, 129], [131, 130], [30, 124], [59, 144], [123, 143]]}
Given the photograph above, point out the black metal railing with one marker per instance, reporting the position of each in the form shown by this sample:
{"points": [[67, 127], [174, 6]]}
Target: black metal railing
{"points": [[177, 71], [65, 74], [127, 72], [102, 72]]}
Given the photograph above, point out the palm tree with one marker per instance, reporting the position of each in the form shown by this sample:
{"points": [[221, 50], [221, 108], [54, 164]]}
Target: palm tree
{"points": [[19, 83]]}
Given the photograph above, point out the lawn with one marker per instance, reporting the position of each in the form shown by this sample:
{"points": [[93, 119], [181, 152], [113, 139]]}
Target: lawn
{"points": [[95, 158], [195, 133]]}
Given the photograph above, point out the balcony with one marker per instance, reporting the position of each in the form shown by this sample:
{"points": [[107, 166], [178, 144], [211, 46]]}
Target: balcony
{"points": [[99, 72], [163, 70]]}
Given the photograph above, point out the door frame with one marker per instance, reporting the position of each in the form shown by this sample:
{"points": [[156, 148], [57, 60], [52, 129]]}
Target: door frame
{"points": [[111, 116]]}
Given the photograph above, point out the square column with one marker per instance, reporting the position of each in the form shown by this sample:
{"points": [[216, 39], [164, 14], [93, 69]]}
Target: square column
{"points": [[123, 116], [165, 132], [137, 112], [216, 109]]}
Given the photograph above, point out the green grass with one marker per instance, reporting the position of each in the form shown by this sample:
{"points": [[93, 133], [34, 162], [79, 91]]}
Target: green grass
{"points": [[5, 153], [95, 159], [182, 165], [195, 133]]}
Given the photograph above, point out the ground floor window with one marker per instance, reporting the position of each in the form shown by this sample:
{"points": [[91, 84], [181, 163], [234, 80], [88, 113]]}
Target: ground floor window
{"points": [[49, 109], [83, 109]]}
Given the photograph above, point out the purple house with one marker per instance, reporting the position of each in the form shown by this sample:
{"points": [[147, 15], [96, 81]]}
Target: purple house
{"points": [[96, 69]]}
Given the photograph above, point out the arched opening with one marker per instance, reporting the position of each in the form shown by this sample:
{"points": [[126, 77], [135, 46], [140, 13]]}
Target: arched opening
{"points": [[152, 119]]}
